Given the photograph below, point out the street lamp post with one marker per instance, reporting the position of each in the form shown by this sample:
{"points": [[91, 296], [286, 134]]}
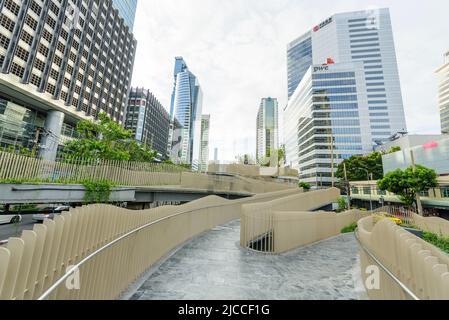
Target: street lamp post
{"points": [[370, 178]]}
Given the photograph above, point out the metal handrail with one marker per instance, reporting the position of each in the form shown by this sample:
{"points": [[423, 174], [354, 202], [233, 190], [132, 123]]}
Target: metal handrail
{"points": [[388, 272], [107, 246]]}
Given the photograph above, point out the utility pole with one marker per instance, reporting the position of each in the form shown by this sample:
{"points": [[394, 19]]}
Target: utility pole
{"points": [[418, 196], [332, 161], [348, 187]]}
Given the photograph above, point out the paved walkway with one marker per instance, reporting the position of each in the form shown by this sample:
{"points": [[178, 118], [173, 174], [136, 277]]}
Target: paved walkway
{"points": [[214, 267]]}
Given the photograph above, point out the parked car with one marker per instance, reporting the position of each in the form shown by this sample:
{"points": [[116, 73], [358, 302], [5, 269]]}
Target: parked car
{"points": [[49, 213], [9, 218]]}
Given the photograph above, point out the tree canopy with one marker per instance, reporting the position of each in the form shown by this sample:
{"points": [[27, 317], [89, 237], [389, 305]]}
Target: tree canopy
{"points": [[106, 140], [358, 167], [407, 183]]}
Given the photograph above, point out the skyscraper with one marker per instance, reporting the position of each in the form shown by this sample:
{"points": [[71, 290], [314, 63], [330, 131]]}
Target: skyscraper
{"points": [[443, 94], [187, 105], [61, 63], [299, 60], [148, 120], [205, 127], [350, 98], [267, 128], [127, 9]]}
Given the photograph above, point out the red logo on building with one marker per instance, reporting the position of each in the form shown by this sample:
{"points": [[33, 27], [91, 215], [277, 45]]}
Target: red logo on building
{"points": [[316, 28], [330, 61]]}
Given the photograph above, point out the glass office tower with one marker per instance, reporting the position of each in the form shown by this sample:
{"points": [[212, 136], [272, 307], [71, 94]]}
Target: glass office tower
{"points": [[358, 42], [267, 128], [127, 9], [187, 108], [299, 59], [443, 94]]}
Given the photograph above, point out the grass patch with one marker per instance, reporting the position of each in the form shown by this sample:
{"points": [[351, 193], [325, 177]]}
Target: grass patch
{"points": [[440, 242], [350, 228]]}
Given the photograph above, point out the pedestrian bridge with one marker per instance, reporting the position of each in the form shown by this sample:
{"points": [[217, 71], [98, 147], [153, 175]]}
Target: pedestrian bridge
{"points": [[106, 252], [214, 266]]}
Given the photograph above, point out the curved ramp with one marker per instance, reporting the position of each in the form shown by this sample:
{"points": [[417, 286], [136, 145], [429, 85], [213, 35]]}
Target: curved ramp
{"points": [[213, 266]]}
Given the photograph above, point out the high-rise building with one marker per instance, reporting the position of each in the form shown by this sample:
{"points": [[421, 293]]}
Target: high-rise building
{"points": [[187, 108], [205, 127], [127, 9], [216, 155], [443, 94], [350, 95], [60, 63], [175, 141], [267, 128], [148, 120], [299, 60]]}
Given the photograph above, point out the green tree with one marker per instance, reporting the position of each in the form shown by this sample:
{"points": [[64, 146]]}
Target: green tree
{"points": [[407, 183], [358, 166], [305, 186], [106, 140]]}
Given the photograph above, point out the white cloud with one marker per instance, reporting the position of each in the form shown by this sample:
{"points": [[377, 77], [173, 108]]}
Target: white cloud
{"points": [[237, 48]]}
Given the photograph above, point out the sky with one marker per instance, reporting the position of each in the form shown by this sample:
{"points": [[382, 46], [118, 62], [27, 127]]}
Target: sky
{"points": [[237, 49]]}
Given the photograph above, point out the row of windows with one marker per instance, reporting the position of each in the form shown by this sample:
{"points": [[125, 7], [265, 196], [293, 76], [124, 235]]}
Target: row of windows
{"points": [[364, 40], [337, 75], [367, 56], [366, 45], [378, 108], [335, 98], [380, 114], [347, 114], [335, 90], [332, 106], [371, 34], [380, 127], [334, 83]]}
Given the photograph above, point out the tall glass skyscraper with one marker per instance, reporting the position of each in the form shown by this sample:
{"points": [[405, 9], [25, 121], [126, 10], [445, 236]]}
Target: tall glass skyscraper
{"points": [[299, 59], [267, 128], [349, 98], [443, 94], [187, 105], [127, 9]]}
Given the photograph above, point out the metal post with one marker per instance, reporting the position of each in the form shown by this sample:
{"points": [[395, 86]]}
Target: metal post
{"points": [[370, 178], [347, 186], [418, 196], [332, 161]]}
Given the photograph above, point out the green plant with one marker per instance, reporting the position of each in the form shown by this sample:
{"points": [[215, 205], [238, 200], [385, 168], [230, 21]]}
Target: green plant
{"points": [[406, 184], [438, 241], [305, 186], [342, 204], [351, 228], [97, 191], [106, 140]]}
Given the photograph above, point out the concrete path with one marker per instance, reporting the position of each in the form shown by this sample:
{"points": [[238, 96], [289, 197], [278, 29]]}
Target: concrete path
{"points": [[214, 267]]}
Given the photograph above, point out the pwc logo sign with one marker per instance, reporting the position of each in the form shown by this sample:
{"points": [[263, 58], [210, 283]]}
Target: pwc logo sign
{"points": [[322, 24]]}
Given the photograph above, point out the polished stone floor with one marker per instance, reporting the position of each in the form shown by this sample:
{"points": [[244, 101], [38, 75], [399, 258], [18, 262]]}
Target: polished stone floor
{"points": [[214, 267]]}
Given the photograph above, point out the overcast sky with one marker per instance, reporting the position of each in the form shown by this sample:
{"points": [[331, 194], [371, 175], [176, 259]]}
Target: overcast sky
{"points": [[237, 49]]}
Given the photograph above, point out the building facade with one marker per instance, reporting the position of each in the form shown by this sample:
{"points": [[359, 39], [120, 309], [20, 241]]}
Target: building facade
{"points": [[267, 137], [127, 9], [432, 154], [61, 63], [352, 87], [148, 120], [187, 108], [299, 59], [175, 141], [205, 129], [443, 94]]}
